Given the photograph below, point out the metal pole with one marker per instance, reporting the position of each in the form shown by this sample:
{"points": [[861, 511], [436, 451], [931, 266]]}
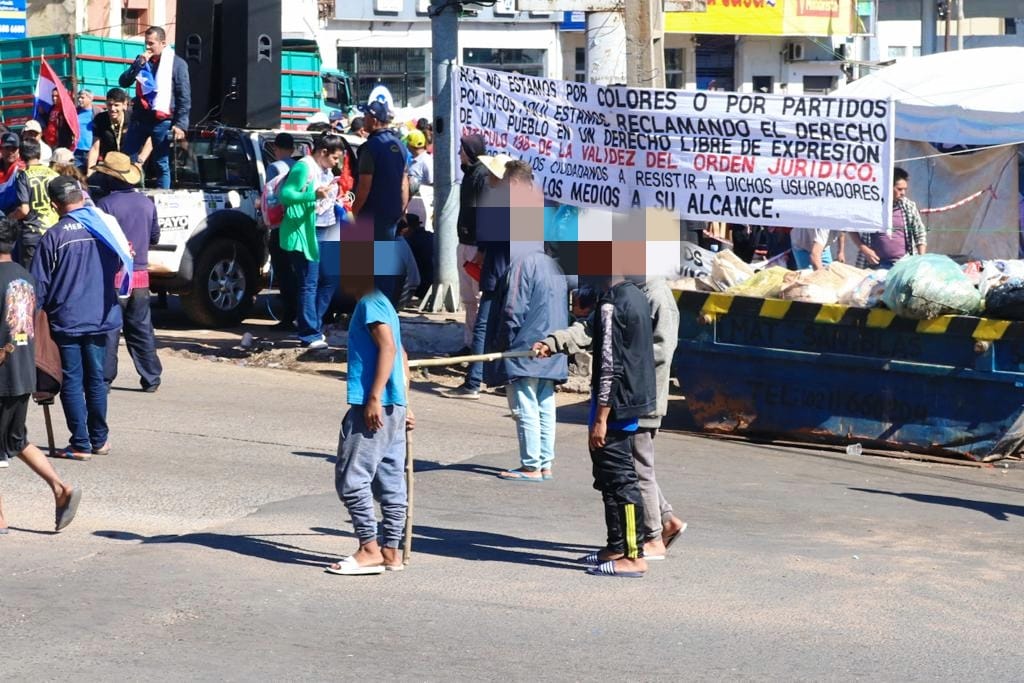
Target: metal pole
{"points": [[444, 294], [949, 26], [644, 20], [929, 21], [959, 24]]}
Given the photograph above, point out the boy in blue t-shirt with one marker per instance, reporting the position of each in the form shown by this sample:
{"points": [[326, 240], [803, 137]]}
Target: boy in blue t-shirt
{"points": [[371, 448]]}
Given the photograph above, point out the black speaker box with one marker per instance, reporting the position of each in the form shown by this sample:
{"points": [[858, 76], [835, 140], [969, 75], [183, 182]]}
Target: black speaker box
{"points": [[249, 50], [195, 43]]}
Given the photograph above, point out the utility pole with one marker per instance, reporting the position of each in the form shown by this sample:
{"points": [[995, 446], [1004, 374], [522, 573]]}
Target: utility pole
{"points": [[929, 21], [606, 48], [949, 26], [444, 23], [959, 24], [645, 44]]}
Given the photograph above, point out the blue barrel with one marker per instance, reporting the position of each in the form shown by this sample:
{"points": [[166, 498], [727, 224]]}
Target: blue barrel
{"points": [[829, 373]]}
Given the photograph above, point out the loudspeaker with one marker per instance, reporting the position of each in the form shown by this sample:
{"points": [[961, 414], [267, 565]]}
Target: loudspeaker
{"points": [[249, 47], [195, 43]]}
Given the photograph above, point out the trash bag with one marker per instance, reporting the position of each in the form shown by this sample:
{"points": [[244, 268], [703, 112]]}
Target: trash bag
{"points": [[766, 284], [996, 272], [1006, 300], [817, 287], [868, 292], [924, 287], [851, 277], [729, 270]]}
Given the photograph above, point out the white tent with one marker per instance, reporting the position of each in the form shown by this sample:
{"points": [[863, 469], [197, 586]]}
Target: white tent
{"points": [[969, 97]]}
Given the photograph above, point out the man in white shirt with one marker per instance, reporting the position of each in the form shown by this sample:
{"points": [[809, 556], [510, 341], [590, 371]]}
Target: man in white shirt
{"points": [[812, 248]]}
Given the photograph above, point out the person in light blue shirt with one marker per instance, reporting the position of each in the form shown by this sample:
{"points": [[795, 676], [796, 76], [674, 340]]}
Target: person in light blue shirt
{"points": [[85, 129], [371, 448]]}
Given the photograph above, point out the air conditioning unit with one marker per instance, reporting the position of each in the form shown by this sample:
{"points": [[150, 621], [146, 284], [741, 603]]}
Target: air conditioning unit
{"points": [[794, 52]]}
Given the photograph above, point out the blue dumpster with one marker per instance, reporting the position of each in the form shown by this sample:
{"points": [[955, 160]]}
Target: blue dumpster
{"points": [[829, 373]]}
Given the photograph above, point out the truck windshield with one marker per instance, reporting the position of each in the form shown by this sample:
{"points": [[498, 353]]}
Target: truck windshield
{"points": [[337, 93]]}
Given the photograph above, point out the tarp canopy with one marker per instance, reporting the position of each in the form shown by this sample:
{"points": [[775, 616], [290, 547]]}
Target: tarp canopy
{"points": [[968, 97]]}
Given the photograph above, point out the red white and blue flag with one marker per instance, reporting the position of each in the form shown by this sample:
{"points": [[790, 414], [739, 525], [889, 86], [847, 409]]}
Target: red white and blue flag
{"points": [[46, 85]]}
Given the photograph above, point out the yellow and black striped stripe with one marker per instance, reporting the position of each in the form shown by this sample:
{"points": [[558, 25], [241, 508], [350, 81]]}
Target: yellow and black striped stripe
{"points": [[980, 329]]}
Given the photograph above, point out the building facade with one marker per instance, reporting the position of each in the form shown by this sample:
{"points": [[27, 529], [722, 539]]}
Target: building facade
{"points": [[388, 42], [103, 18]]}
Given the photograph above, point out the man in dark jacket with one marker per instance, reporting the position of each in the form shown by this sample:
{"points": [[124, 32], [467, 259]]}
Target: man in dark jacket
{"points": [[474, 180], [535, 305], [162, 103], [136, 214], [622, 391], [661, 525], [75, 270]]}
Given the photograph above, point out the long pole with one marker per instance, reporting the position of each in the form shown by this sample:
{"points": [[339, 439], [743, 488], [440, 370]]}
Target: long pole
{"points": [[928, 26], [960, 24], [444, 25], [949, 25]]}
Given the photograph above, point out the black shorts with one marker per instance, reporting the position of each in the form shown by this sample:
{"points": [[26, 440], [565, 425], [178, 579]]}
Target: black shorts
{"points": [[13, 433]]}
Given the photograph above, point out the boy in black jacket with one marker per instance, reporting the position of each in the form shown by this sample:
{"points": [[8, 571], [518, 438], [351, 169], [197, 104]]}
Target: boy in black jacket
{"points": [[622, 391]]}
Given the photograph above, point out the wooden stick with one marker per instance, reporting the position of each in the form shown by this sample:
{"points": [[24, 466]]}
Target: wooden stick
{"points": [[480, 358], [407, 544], [49, 430]]}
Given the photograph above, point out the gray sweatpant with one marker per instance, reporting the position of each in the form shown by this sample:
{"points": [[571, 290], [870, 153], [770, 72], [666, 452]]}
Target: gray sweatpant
{"points": [[372, 465], [656, 508]]}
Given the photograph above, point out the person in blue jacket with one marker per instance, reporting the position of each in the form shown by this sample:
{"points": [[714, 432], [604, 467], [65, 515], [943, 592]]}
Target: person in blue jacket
{"points": [[75, 267]]}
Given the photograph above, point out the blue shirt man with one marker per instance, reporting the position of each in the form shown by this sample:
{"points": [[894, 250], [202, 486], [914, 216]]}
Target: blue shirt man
{"points": [[85, 129]]}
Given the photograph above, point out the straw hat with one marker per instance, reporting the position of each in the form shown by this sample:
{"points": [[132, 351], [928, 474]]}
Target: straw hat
{"points": [[496, 164], [120, 166]]}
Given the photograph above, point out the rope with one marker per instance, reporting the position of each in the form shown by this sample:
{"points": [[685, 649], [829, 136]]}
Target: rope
{"points": [[957, 205]]}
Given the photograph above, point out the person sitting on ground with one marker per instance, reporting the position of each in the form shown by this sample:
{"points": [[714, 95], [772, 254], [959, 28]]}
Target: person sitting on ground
{"points": [[18, 378], [371, 448], [422, 244]]}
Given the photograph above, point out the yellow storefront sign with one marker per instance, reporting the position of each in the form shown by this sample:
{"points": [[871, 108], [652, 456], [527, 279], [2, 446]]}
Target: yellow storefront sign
{"points": [[769, 18]]}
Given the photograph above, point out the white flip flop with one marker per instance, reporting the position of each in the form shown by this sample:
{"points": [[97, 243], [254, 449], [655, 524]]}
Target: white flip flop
{"points": [[348, 566]]}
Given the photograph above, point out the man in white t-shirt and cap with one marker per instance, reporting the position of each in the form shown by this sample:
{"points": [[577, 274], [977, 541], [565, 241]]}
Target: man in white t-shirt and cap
{"points": [[34, 131]]}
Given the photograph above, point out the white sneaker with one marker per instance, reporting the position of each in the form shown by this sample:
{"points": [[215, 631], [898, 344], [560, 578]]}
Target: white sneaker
{"points": [[318, 344], [4, 462]]}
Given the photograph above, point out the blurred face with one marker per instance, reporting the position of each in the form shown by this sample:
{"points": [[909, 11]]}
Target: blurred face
{"points": [[84, 100], [154, 44], [9, 154], [899, 189], [30, 135], [56, 97], [283, 153], [463, 157], [116, 110]]}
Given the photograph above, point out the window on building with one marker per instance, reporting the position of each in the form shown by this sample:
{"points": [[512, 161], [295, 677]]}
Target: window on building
{"points": [[916, 50], [580, 73], [675, 68], [819, 84], [897, 51], [134, 22], [762, 83], [1010, 26], [526, 62], [405, 72]]}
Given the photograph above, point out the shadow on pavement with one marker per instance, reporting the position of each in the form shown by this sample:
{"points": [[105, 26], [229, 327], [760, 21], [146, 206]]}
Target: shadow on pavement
{"points": [[997, 511], [251, 546], [329, 457], [483, 546]]}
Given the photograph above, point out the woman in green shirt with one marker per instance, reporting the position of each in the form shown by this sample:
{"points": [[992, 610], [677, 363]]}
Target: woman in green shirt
{"points": [[308, 182]]}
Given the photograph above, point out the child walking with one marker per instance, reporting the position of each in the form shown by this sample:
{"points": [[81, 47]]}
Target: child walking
{"points": [[371, 447]]}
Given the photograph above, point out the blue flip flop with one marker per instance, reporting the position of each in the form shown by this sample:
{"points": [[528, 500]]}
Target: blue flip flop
{"points": [[608, 569], [516, 475]]}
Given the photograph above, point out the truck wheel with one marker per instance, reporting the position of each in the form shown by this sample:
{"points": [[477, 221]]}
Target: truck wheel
{"points": [[223, 285]]}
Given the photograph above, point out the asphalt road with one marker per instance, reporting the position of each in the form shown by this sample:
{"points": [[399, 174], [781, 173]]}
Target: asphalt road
{"points": [[199, 548]]}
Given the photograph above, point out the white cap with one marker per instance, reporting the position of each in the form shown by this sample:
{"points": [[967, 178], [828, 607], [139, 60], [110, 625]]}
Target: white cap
{"points": [[33, 125]]}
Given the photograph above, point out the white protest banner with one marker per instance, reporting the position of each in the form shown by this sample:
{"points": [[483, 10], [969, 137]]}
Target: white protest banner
{"points": [[798, 161], [695, 260]]}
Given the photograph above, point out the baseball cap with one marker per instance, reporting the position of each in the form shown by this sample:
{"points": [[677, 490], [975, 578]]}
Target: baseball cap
{"points": [[10, 140], [336, 116], [33, 126], [417, 140], [378, 110], [63, 155], [61, 188], [284, 141]]}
